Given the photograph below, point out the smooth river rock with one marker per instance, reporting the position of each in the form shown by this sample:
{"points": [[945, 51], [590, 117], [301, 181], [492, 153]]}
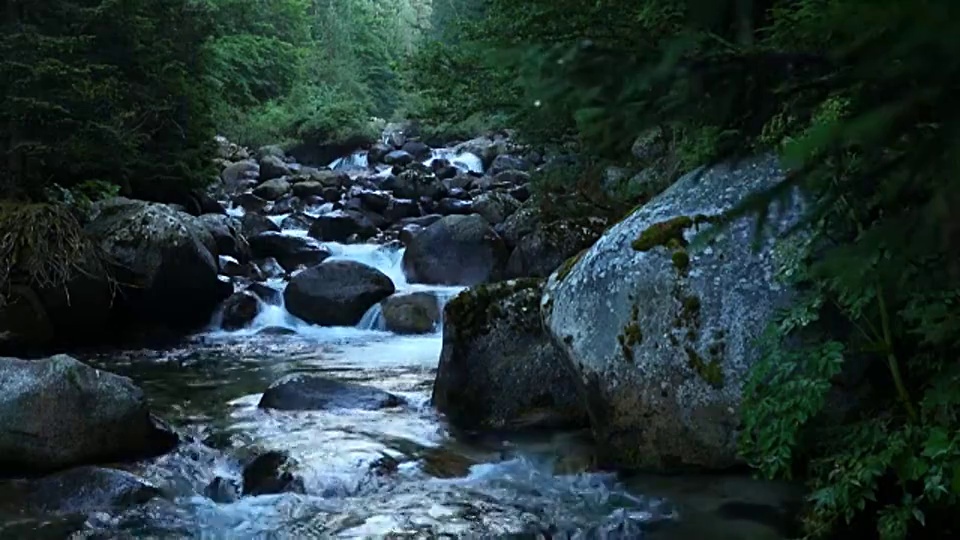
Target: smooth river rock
{"points": [[336, 293], [58, 412], [308, 392]]}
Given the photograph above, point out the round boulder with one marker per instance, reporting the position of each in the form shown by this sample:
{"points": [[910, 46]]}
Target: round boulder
{"points": [[456, 250], [308, 392], [291, 252], [414, 313], [336, 293]]}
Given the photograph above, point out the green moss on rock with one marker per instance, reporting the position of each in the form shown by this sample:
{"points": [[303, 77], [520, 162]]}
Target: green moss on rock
{"points": [[472, 311], [668, 233], [681, 260], [568, 265], [710, 371]]}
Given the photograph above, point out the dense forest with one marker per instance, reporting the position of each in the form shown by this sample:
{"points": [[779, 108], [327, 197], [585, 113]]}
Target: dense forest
{"points": [[99, 97]]}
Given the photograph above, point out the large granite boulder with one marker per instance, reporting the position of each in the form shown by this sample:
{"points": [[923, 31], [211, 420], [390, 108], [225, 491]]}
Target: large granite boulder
{"points": [[661, 333], [498, 367], [58, 412], [167, 257], [456, 250]]}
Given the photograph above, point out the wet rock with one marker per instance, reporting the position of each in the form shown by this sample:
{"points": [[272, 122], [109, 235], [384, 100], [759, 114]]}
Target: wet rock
{"points": [[398, 157], [227, 233], [273, 167], [340, 225], [486, 148], [270, 268], [297, 222], [82, 490], [414, 184], [272, 190], [308, 392], [495, 207], [423, 221], [223, 490], [266, 294], [309, 188], [396, 134], [521, 223], [414, 313], [166, 257], [290, 251], [250, 202], [661, 334], [456, 250], [336, 293], [271, 473], [376, 201], [232, 268], [270, 150], [545, 249], [58, 412], [377, 152], [511, 177], [239, 310], [498, 367], [399, 209], [443, 463], [237, 174], [407, 232], [417, 149], [254, 224], [288, 204], [503, 162], [458, 193], [449, 207]]}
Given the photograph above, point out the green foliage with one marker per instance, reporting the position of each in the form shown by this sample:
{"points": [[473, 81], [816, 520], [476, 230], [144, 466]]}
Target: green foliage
{"points": [[315, 70], [102, 90], [857, 97]]}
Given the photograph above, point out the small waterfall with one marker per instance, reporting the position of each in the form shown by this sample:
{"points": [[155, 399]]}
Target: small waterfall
{"points": [[466, 161], [356, 160], [373, 319]]}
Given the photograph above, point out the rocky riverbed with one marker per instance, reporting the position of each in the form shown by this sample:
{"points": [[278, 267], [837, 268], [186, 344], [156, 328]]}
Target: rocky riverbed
{"points": [[376, 352]]}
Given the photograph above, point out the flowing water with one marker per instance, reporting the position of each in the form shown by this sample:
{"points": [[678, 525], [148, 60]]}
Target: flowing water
{"points": [[393, 473]]}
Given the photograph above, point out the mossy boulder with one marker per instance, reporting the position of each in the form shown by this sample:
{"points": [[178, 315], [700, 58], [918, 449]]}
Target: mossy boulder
{"points": [[661, 330], [165, 257], [498, 368], [456, 250]]}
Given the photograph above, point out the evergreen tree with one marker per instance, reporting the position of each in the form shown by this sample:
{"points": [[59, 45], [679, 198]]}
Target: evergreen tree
{"points": [[103, 91]]}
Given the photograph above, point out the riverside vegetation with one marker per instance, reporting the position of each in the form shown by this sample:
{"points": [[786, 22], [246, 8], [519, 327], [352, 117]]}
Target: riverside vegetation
{"points": [[636, 153]]}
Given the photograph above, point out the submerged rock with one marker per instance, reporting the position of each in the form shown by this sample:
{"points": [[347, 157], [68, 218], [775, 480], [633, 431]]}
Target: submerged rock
{"points": [[336, 293], [413, 313], [307, 392], [271, 473], [456, 250], [498, 368], [58, 412], [82, 490], [661, 334]]}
